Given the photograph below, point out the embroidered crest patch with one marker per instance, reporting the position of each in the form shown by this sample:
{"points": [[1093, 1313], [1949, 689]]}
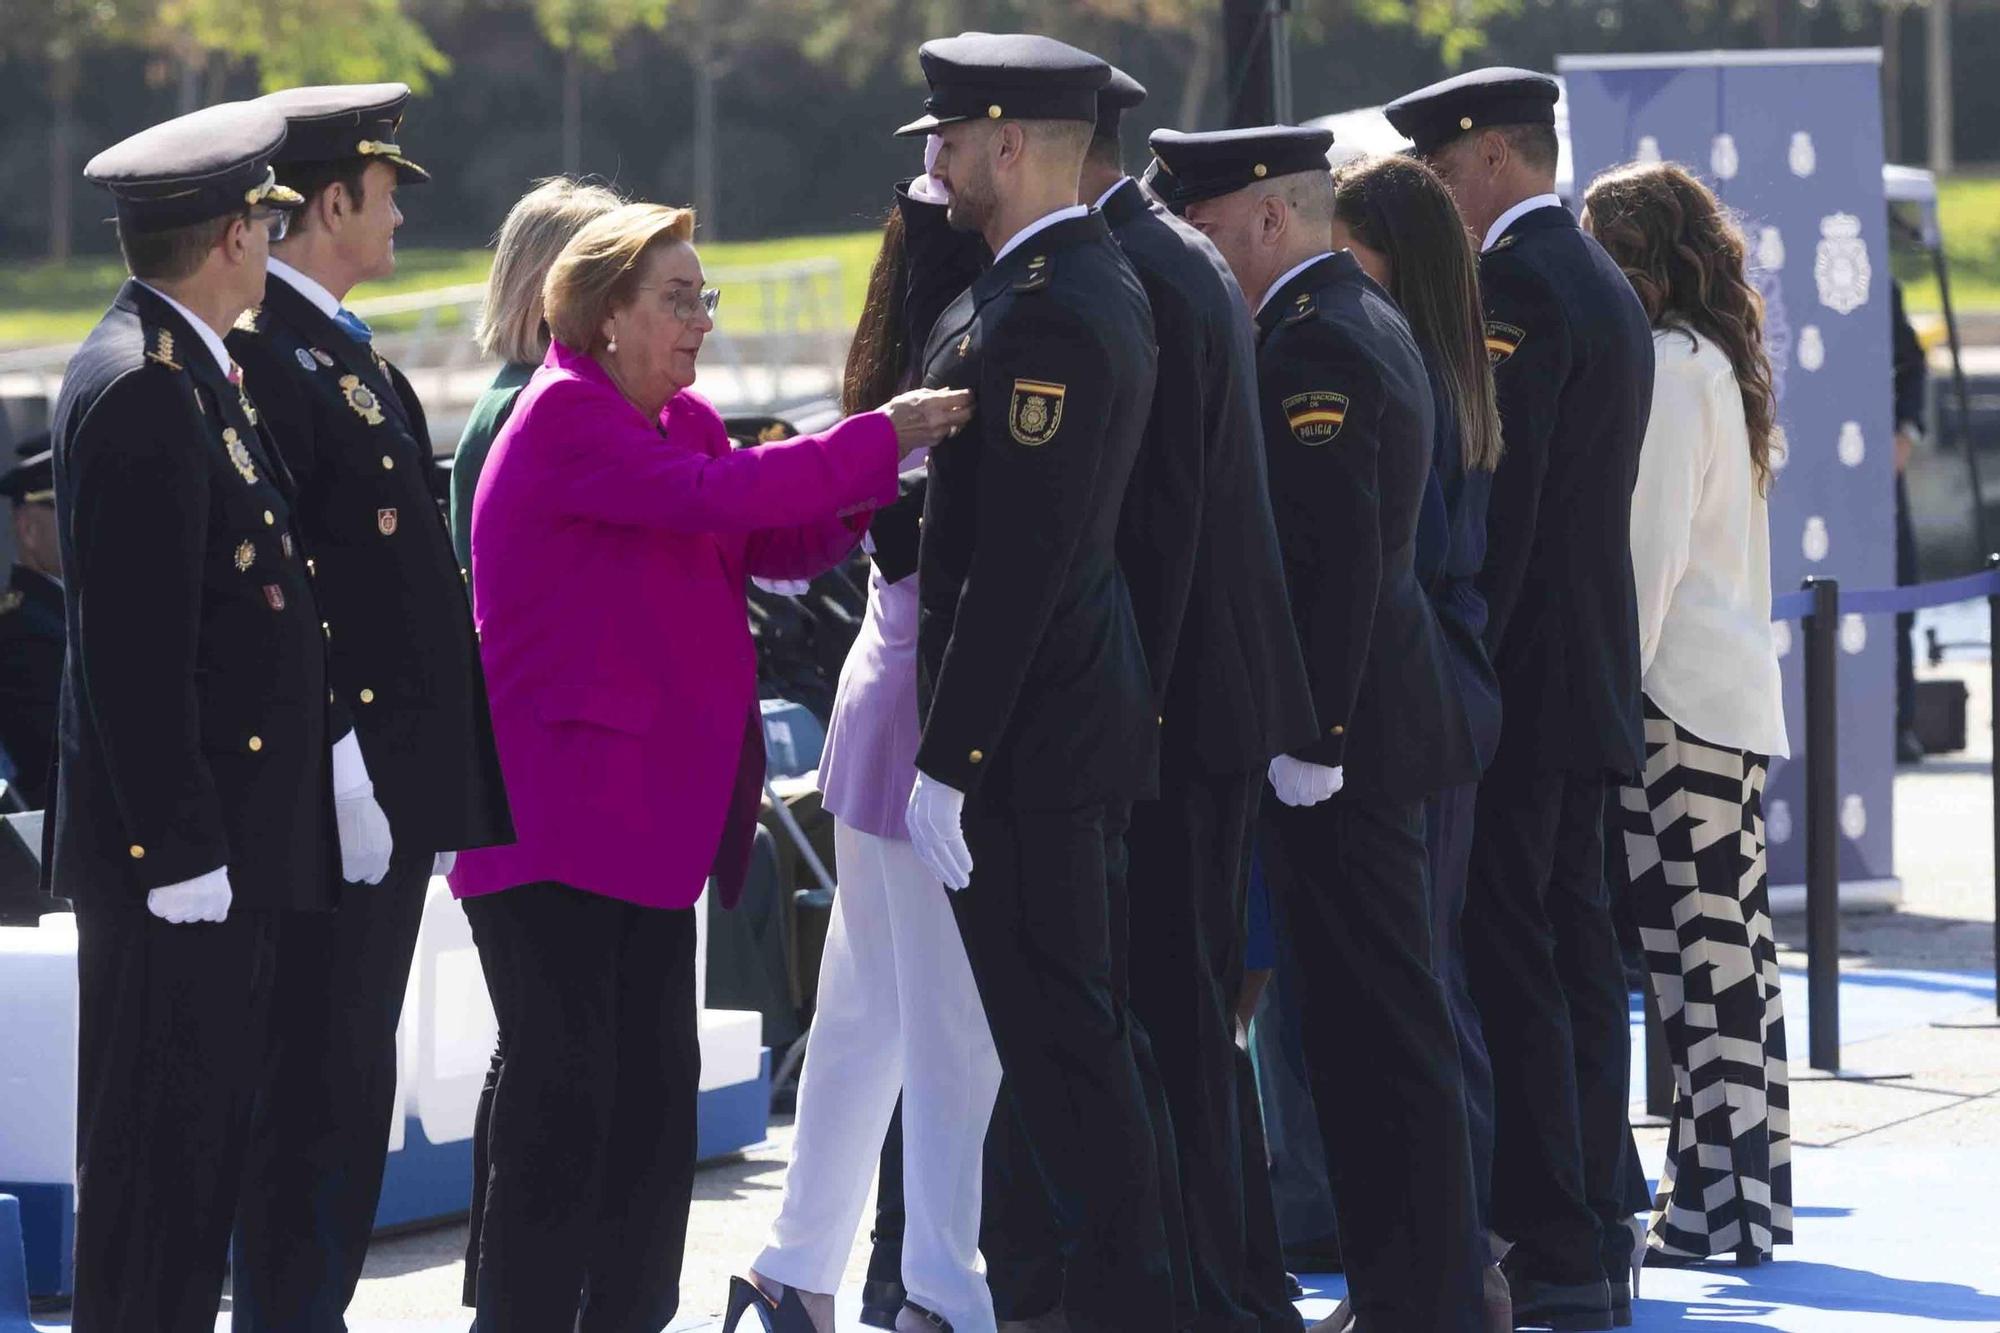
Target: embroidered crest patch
{"points": [[1035, 414], [385, 522], [362, 399], [1316, 416], [1502, 341], [239, 455], [246, 555]]}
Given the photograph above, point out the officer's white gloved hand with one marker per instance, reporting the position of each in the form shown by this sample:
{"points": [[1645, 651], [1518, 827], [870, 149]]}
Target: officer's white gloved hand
{"points": [[784, 587], [203, 898], [1300, 783], [445, 861], [934, 818], [365, 843]]}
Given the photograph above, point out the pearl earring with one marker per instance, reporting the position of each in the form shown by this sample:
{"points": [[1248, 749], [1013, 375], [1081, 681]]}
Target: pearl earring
{"points": [[611, 346]]}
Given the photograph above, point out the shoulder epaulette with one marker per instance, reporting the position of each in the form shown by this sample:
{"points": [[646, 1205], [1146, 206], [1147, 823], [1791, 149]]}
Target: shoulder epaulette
{"points": [[160, 348], [250, 319], [1037, 276]]}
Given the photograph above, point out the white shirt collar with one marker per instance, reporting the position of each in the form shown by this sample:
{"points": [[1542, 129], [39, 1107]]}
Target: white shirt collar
{"points": [[1514, 214], [1042, 223], [1286, 277], [209, 337], [310, 288], [1116, 186]]}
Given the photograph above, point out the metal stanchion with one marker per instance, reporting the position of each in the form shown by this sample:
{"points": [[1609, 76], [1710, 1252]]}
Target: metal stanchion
{"points": [[1822, 656]]}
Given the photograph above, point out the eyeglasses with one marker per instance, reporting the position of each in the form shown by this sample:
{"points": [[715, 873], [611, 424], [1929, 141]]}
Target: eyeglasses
{"points": [[684, 305], [276, 222]]}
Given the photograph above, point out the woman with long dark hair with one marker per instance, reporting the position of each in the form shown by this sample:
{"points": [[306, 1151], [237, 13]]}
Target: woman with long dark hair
{"points": [[1694, 832], [1403, 226], [897, 1007]]}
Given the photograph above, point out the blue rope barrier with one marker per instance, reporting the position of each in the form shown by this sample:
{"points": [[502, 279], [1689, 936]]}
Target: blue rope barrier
{"points": [[1894, 601]]}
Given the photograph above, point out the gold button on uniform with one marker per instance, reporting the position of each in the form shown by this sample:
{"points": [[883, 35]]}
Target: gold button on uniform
{"points": [[311, 568], [269, 518], [977, 756], [993, 112], [1336, 731], [368, 696], [138, 852], [256, 744], [388, 463], [1260, 171], [1465, 122]]}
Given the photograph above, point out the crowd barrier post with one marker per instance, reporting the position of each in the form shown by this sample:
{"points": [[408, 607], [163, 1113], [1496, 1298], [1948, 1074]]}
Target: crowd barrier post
{"points": [[1993, 766], [1822, 654]]}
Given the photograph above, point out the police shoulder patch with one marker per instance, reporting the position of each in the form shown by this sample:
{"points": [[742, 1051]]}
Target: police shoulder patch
{"points": [[1316, 416], [1502, 341], [1035, 412]]}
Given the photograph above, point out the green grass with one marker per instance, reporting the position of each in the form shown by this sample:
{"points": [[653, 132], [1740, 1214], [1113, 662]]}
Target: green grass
{"points": [[55, 303], [1969, 213]]}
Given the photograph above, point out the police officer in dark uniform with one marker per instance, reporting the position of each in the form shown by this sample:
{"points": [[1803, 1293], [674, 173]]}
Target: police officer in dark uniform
{"points": [[1347, 426], [31, 623], [1199, 549], [402, 658], [1573, 366], [1037, 712], [197, 805]]}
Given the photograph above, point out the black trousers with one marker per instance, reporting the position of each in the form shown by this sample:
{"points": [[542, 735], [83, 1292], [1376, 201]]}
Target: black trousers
{"points": [[1381, 1058], [321, 1128], [169, 1023], [591, 1136], [1546, 975], [1266, 1293], [1448, 822], [1038, 927]]}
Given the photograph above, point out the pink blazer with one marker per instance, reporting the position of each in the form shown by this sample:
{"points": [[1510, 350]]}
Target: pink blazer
{"points": [[609, 555]]}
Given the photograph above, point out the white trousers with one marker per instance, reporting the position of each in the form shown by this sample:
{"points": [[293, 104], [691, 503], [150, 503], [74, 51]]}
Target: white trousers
{"points": [[897, 1011]]}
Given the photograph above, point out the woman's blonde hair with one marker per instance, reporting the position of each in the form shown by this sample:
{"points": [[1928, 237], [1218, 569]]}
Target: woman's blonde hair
{"points": [[539, 224], [599, 268]]}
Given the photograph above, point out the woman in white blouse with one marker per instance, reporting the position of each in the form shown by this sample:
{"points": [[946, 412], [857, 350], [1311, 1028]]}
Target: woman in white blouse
{"points": [[1694, 830]]}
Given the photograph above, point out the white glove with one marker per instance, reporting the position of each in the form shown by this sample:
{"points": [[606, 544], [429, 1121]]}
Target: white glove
{"points": [[1300, 783], [784, 587], [934, 818], [445, 861], [203, 898], [365, 843]]}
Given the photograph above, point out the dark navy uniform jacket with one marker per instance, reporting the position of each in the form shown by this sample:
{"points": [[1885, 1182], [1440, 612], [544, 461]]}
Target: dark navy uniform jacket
{"points": [[31, 656], [195, 721], [1573, 364], [1451, 550], [1030, 671], [1197, 541], [402, 655], [1348, 424]]}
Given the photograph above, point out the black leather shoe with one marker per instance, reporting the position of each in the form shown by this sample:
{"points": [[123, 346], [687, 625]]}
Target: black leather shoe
{"points": [[881, 1302], [1621, 1303], [1565, 1307]]}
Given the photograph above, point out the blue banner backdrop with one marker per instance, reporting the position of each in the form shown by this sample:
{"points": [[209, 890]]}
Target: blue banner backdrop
{"points": [[1792, 141]]}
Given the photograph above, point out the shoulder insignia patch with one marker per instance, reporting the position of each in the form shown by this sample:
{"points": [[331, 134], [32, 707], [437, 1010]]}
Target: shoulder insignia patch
{"points": [[1035, 414], [1304, 308], [10, 601], [1502, 341], [1316, 416], [162, 349], [1503, 242], [247, 321], [362, 399], [1037, 276]]}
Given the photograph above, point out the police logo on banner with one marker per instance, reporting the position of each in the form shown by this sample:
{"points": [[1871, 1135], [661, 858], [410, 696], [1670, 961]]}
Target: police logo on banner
{"points": [[1317, 416], [1841, 266], [1035, 414]]}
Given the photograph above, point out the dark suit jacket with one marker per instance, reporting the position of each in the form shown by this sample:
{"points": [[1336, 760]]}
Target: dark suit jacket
{"points": [[1348, 422], [1030, 671], [195, 721], [1573, 364], [31, 663], [1196, 540], [402, 654]]}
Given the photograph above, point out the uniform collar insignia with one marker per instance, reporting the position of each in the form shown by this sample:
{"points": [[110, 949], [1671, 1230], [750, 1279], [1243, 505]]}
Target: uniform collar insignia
{"points": [[162, 349]]}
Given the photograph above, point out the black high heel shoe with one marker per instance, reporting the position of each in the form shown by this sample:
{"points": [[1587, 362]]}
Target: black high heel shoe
{"points": [[785, 1315]]}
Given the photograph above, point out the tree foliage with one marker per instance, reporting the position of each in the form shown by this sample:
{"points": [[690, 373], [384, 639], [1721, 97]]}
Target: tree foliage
{"points": [[295, 42]]}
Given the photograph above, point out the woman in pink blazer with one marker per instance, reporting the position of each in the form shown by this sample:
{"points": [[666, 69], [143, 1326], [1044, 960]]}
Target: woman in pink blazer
{"points": [[612, 529]]}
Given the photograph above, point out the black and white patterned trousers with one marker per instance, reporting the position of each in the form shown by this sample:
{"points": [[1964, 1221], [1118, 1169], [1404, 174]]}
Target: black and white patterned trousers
{"points": [[1694, 839]]}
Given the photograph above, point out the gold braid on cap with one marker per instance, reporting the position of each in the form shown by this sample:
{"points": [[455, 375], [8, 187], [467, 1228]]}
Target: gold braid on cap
{"points": [[377, 148], [268, 191]]}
